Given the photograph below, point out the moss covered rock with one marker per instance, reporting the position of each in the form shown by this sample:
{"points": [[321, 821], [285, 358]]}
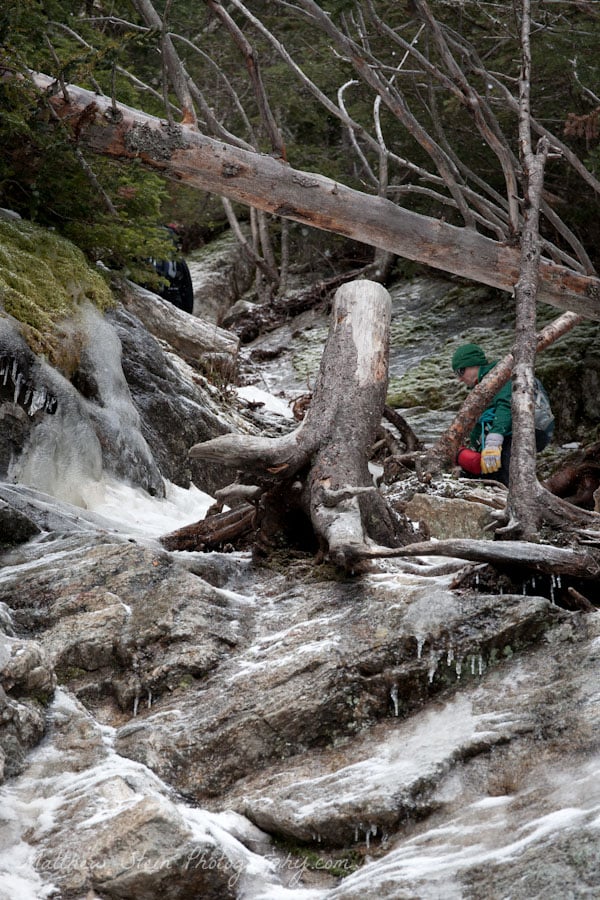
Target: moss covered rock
{"points": [[43, 280]]}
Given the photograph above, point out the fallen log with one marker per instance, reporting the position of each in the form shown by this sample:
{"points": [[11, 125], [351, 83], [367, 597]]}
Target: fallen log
{"points": [[214, 531], [180, 152], [324, 461], [205, 346]]}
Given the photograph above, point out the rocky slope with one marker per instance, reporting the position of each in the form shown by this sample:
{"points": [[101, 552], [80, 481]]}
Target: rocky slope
{"points": [[204, 725]]}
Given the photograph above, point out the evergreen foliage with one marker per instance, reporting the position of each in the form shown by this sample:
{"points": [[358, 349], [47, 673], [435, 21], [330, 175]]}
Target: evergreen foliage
{"points": [[41, 171], [111, 212]]}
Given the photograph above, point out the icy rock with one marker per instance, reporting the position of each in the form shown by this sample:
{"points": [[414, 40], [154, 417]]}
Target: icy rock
{"points": [[27, 683], [177, 407], [99, 823], [120, 621]]}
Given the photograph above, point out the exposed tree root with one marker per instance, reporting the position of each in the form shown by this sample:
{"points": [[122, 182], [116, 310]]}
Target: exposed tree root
{"points": [[579, 562], [322, 466]]}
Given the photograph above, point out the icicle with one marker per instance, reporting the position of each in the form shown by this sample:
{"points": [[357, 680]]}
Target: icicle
{"points": [[38, 401], [477, 579], [450, 658], [149, 702], [394, 696], [420, 642], [533, 582], [356, 827], [18, 384], [480, 664], [524, 588], [433, 664], [5, 374], [372, 830], [473, 665], [136, 701], [458, 668], [558, 582]]}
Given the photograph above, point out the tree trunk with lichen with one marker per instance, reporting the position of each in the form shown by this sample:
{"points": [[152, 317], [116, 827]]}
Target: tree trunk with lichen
{"points": [[180, 152]]}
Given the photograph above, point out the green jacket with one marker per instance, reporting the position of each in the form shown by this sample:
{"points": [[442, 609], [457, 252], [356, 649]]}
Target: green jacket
{"points": [[497, 417]]}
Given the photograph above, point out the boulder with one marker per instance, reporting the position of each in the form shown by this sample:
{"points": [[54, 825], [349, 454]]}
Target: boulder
{"points": [[27, 684], [450, 517], [221, 274]]}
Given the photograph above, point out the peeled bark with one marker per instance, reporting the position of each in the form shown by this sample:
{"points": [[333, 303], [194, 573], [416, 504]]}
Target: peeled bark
{"points": [[325, 460], [181, 153]]}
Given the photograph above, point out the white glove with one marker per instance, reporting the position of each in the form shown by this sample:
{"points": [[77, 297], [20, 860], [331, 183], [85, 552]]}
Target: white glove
{"points": [[491, 456]]}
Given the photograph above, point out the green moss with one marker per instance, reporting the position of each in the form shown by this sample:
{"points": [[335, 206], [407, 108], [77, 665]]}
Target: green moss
{"points": [[43, 280], [301, 858], [43, 698], [66, 674]]}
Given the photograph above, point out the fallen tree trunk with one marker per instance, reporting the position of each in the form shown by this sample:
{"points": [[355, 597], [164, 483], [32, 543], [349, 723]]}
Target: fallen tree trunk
{"points": [[324, 461], [205, 346], [181, 153]]}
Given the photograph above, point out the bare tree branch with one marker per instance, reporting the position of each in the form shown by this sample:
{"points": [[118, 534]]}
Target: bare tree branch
{"points": [[173, 65]]}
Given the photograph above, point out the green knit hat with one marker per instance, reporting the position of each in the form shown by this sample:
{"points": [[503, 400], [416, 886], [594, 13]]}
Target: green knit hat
{"points": [[468, 355]]}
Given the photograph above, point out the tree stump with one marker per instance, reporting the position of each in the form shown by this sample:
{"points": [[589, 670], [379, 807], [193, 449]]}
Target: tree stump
{"points": [[324, 462]]}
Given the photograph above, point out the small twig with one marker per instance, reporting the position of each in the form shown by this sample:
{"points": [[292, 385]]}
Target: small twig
{"points": [[59, 76]]}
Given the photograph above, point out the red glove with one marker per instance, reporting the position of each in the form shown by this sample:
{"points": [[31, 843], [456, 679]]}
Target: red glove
{"points": [[469, 460]]}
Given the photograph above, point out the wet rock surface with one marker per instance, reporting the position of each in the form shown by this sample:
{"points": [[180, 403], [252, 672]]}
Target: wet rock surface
{"points": [[205, 725], [384, 727]]}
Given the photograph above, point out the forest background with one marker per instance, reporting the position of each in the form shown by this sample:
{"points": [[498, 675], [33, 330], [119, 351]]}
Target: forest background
{"points": [[326, 121]]}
